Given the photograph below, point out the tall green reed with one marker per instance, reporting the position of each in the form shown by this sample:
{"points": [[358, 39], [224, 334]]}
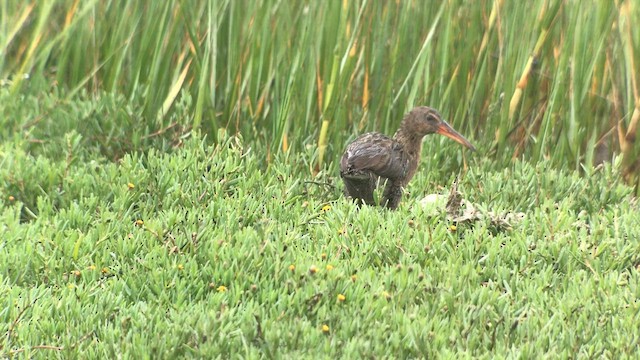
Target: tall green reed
{"points": [[538, 79]]}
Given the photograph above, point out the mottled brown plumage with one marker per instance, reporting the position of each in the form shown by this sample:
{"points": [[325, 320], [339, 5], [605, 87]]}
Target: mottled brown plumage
{"points": [[374, 156]]}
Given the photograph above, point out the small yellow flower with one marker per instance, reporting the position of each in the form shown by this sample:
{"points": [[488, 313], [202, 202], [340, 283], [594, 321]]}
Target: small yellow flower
{"points": [[341, 298], [105, 270], [453, 228], [180, 267], [329, 267], [324, 256], [221, 288], [139, 222], [325, 328], [326, 208], [292, 267], [313, 269], [70, 286], [131, 186], [354, 277], [92, 267], [386, 295], [342, 231], [11, 198]]}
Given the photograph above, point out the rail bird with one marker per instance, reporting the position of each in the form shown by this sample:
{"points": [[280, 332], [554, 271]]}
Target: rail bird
{"points": [[374, 157]]}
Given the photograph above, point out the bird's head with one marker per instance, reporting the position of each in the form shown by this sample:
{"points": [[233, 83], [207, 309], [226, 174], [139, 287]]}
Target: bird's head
{"points": [[424, 120]]}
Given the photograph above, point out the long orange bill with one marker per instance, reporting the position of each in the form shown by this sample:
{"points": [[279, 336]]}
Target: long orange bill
{"points": [[446, 130]]}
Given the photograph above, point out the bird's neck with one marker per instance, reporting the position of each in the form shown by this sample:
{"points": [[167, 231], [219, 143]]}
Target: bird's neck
{"points": [[411, 142], [412, 146]]}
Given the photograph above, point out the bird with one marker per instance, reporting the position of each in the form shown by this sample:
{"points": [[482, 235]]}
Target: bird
{"points": [[373, 157]]}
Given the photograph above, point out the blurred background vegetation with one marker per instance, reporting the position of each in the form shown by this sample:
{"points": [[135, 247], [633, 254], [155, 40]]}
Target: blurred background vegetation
{"points": [[540, 79]]}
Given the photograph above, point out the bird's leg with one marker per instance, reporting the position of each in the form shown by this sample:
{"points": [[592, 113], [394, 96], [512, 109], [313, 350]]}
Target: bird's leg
{"points": [[392, 194], [360, 187]]}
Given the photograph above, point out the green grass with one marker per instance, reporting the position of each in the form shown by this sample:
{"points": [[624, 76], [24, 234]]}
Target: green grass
{"points": [[94, 267], [169, 188]]}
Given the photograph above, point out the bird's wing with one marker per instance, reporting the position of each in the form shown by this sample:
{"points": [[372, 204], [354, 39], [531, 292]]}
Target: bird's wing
{"points": [[377, 153]]}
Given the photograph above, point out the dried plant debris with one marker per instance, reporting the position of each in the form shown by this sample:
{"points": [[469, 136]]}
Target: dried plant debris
{"points": [[459, 210], [454, 202]]}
